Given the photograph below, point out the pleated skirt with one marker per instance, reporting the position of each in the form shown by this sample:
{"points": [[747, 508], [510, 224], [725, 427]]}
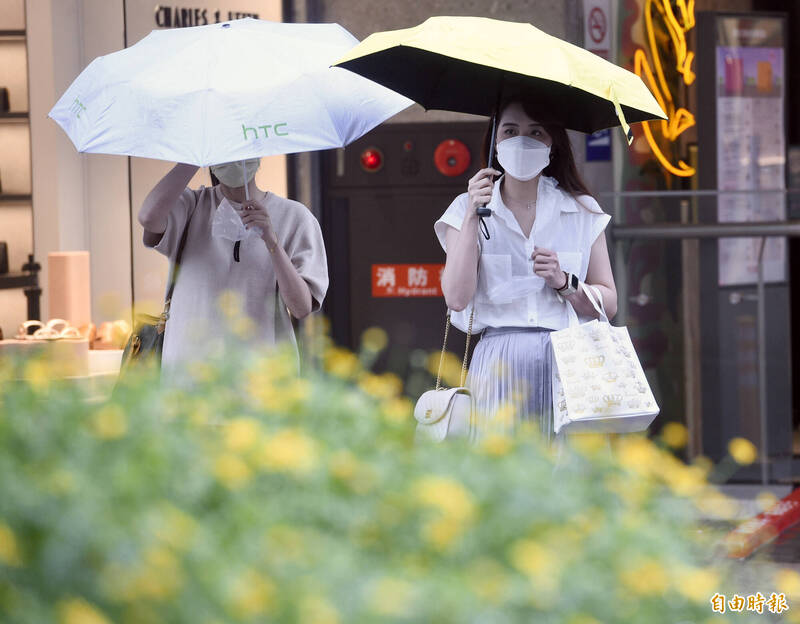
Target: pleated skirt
{"points": [[510, 381]]}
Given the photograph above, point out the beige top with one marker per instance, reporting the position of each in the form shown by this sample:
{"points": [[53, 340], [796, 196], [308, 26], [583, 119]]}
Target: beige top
{"points": [[197, 327]]}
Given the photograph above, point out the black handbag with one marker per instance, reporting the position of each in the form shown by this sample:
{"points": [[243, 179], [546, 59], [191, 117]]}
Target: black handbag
{"points": [[147, 338]]}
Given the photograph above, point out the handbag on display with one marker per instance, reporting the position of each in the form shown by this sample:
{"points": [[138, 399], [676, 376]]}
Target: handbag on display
{"points": [[445, 413], [599, 385], [147, 338]]}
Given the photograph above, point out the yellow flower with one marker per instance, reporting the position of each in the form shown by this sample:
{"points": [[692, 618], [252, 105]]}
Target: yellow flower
{"points": [[391, 597], [442, 532], [504, 415], [788, 582], [78, 611], [317, 610], [697, 584], [230, 304], [531, 558], [110, 422], [385, 386], [252, 594], [715, 504], [451, 367], [289, 450], [743, 451], [497, 444], [279, 395], [590, 443], [647, 577], [675, 435], [39, 374], [703, 463], [446, 495], [638, 454], [9, 551], [231, 471], [241, 433], [765, 500], [374, 339], [397, 410], [684, 480], [244, 327], [341, 363]]}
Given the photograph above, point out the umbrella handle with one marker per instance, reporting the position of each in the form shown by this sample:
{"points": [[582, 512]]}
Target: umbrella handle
{"points": [[246, 184], [483, 211]]}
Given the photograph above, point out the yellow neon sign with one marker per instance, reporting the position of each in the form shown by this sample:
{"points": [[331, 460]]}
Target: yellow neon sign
{"points": [[679, 118]]}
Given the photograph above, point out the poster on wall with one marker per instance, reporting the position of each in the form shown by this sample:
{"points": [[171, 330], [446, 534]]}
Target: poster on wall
{"points": [[751, 142]]}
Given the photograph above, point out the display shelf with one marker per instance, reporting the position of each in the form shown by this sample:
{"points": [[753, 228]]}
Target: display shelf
{"points": [[14, 117], [17, 280], [9, 198]]}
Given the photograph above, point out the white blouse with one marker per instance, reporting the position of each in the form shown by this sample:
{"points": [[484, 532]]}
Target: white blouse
{"points": [[509, 293]]}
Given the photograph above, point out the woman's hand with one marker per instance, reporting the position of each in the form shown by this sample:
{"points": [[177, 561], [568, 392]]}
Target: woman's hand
{"points": [[546, 266], [253, 213], [480, 188]]}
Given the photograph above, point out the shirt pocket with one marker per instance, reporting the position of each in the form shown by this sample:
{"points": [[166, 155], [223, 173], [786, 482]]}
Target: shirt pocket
{"points": [[570, 262], [495, 269]]}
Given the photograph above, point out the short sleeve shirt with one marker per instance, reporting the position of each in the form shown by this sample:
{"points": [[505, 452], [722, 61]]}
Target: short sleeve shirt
{"points": [[509, 294], [197, 323]]}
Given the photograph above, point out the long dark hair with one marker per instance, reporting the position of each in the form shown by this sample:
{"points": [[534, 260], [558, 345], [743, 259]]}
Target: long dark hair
{"points": [[562, 162]]}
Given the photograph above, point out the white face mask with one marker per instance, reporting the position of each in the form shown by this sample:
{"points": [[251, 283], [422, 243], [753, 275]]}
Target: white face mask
{"points": [[522, 157], [228, 224], [231, 174]]}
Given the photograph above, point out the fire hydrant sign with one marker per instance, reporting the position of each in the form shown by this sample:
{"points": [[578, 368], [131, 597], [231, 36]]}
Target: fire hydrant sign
{"points": [[407, 280]]}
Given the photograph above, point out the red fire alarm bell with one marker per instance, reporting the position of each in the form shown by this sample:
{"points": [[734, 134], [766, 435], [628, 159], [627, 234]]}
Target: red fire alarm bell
{"points": [[451, 157]]}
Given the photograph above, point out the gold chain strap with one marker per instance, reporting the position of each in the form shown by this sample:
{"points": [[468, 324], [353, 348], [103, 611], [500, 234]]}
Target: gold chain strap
{"points": [[466, 348], [444, 347]]}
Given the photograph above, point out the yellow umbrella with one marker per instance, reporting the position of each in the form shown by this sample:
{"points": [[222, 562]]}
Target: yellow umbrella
{"points": [[465, 64]]}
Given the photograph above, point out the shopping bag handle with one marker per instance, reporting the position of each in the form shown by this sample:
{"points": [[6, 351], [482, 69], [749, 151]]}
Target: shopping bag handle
{"points": [[594, 297]]}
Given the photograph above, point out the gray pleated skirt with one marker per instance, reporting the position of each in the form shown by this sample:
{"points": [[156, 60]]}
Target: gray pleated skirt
{"points": [[510, 381]]}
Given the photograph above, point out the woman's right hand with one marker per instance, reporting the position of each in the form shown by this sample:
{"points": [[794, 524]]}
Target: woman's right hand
{"points": [[480, 188]]}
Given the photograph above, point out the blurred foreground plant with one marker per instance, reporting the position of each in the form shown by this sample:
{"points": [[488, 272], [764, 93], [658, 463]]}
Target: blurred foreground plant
{"points": [[256, 495]]}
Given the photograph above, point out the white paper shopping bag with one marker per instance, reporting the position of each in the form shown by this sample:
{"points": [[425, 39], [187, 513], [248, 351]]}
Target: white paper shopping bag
{"points": [[598, 382]]}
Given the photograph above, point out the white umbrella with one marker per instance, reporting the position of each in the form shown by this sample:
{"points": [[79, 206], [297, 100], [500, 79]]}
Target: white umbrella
{"points": [[224, 92]]}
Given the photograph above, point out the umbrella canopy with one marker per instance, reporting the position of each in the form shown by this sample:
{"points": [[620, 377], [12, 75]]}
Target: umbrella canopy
{"points": [[224, 92], [463, 64]]}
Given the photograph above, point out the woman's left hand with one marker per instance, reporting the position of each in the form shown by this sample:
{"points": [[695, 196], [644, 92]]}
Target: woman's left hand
{"points": [[546, 266], [253, 213]]}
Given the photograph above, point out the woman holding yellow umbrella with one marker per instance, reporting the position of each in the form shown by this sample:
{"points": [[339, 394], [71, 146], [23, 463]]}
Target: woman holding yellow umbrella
{"points": [[545, 235]]}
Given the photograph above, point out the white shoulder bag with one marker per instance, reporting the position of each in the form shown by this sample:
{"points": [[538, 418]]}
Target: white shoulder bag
{"points": [[598, 382], [446, 412]]}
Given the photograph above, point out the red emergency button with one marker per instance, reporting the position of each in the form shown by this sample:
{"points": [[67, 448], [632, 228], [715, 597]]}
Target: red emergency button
{"points": [[451, 157], [371, 159]]}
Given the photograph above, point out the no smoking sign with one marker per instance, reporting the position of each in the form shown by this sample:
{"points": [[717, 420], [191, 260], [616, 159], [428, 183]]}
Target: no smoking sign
{"points": [[597, 26]]}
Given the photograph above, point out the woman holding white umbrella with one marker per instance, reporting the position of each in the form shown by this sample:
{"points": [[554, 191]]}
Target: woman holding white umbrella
{"points": [[275, 266], [225, 93]]}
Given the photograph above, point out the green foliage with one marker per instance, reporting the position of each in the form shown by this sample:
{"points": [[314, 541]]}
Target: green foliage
{"points": [[257, 496]]}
